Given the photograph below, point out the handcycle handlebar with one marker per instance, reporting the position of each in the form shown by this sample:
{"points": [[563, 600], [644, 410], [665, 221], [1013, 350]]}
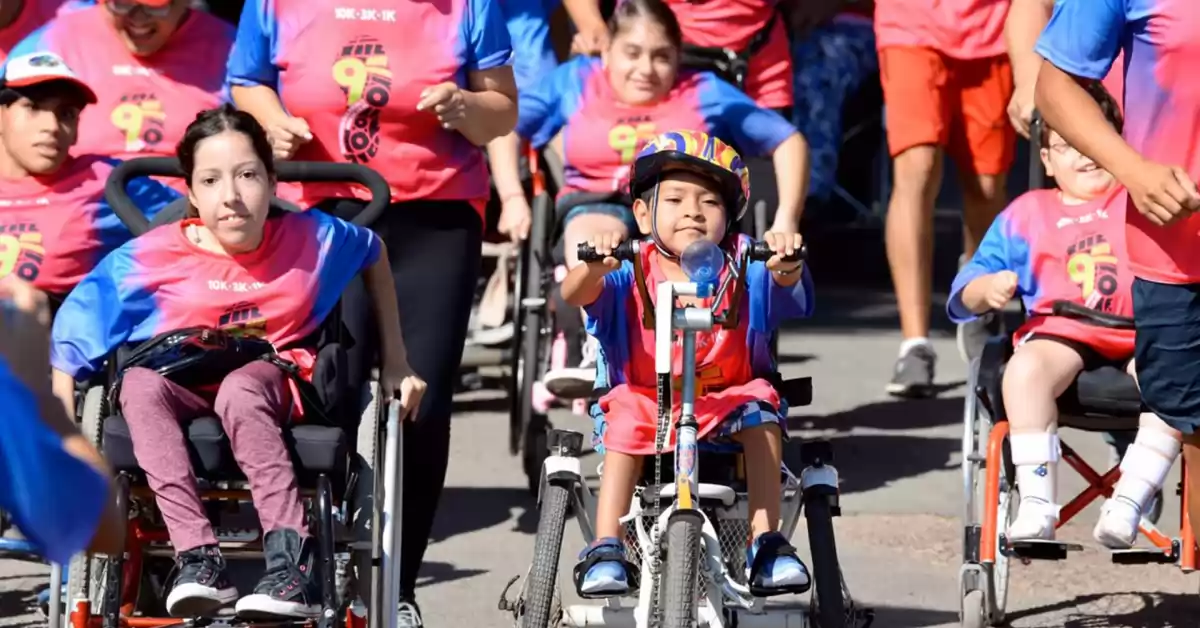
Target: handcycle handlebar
{"points": [[1070, 309], [759, 252], [297, 171]]}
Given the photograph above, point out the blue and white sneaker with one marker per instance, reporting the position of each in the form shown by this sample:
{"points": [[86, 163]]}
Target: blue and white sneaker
{"points": [[773, 567], [603, 570]]}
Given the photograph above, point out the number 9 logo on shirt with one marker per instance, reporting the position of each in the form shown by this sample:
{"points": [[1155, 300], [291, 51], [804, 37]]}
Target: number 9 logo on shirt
{"points": [[626, 139], [25, 266], [141, 118]]}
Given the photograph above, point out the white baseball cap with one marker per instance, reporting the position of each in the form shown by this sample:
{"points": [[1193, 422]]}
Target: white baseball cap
{"points": [[42, 67]]}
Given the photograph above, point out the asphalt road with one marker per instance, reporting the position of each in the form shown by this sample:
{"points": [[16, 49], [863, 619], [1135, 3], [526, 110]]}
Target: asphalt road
{"points": [[899, 536]]}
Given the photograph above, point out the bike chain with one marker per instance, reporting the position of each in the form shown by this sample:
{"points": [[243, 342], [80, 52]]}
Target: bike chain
{"points": [[661, 433]]}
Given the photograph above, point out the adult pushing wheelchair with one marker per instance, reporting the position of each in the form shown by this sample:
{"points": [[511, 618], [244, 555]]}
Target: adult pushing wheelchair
{"points": [[353, 516], [1102, 398], [687, 530]]}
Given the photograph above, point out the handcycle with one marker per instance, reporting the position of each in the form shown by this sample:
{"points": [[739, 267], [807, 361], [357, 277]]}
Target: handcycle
{"points": [[354, 517], [698, 528], [1101, 399]]}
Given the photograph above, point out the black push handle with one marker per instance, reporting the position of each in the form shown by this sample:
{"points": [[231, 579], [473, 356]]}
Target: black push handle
{"points": [[1070, 309], [290, 171], [760, 251], [626, 250]]}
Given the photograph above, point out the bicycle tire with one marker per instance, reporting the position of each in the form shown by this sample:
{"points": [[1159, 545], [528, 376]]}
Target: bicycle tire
{"points": [[831, 603], [538, 599], [682, 573]]}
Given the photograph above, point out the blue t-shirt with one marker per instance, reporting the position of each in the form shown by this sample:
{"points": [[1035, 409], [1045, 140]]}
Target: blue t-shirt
{"points": [[54, 498]]}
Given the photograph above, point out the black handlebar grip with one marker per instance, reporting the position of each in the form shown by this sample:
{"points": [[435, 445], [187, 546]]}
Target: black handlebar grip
{"points": [[761, 252], [626, 250]]}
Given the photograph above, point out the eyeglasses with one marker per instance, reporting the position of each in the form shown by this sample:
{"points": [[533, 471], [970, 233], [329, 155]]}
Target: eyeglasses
{"points": [[125, 7], [1064, 149]]}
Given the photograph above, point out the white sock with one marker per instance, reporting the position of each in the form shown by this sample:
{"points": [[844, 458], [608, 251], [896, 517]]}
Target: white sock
{"points": [[1145, 466], [912, 343], [1036, 457]]}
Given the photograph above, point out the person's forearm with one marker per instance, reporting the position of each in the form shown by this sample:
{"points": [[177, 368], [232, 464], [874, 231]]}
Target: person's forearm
{"points": [[381, 288], [1025, 22], [490, 114], [584, 13], [974, 296], [260, 101], [789, 279], [583, 285], [791, 178], [504, 156], [1068, 109]]}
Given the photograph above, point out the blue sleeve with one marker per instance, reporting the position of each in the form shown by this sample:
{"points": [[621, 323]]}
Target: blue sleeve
{"points": [[544, 108], [606, 315], [771, 303], [148, 195], [1002, 248], [488, 43], [252, 58], [99, 315], [33, 467], [736, 118], [346, 251], [1083, 37]]}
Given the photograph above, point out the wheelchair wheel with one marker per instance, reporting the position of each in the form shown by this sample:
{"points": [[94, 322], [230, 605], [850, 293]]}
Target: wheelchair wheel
{"points": [[532, 351], [366, 522], [540, 609], [515, 375], [972, 613], [682, 573], [87, 575], [829, 593]]}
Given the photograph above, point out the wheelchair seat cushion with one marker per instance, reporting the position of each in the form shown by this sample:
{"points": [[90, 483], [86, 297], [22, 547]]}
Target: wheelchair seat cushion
{"points": [[315, 449]]}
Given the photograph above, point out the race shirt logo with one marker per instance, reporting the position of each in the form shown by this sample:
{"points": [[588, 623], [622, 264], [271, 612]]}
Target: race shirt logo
{"points": [[363, 74], [244, 319], [626, 138], [141, 118], [1093, 267], [21, 251]]}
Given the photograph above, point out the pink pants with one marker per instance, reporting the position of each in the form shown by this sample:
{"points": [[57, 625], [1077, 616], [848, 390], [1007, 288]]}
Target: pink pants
{"points": [[251, 404]]}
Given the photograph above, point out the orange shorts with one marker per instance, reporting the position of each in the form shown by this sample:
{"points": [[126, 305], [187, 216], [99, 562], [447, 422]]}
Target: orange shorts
{"points": [[959, 104]]}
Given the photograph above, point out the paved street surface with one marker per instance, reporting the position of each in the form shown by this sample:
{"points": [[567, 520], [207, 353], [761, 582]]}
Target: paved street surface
{"points": [[899, 538]]}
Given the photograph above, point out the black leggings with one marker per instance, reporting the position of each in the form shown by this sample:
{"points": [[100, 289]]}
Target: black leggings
{"points": [[434, 249]]}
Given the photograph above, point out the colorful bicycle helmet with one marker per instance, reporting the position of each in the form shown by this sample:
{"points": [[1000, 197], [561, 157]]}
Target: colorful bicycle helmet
{"points": [[696, 151]]}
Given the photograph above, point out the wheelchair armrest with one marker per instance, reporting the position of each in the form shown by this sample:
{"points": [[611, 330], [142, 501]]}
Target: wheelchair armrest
{"points": [[995, 355], [797, 391]]}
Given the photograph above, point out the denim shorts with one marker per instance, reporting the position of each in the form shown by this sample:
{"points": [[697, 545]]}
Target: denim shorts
{"points": [[1167, 350]]}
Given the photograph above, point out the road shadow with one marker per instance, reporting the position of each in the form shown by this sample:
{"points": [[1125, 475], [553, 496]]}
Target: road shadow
{"points": [[18, 603], [912, 414], [494, 400], [437, 573], [869, 461], [468, 509], [1133, 609], [795, 358], [903, 617]]}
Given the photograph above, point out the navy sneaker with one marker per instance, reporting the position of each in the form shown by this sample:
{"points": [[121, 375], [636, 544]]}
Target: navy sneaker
{"points": [[290, 587], [773, 567], [201, 585], [603, 570]]}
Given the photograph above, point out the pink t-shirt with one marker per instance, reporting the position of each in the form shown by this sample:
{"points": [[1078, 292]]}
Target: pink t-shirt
{"points": [[962, 29], [144, 103], [34, 14]]}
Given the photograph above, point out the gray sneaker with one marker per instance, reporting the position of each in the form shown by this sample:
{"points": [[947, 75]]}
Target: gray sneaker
{"points": [[972, 336], [913, 377]]}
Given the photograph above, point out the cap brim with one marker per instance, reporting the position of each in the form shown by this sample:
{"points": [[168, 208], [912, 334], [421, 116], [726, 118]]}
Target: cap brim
{"points": [[153, 3], [88, 94]]}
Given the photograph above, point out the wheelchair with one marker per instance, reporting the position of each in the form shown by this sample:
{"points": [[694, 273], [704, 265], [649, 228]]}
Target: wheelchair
{"points": [[1101, 399], [720, 535], [354, 517]]}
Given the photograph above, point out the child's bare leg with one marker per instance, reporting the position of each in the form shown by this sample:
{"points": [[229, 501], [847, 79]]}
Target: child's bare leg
{"points": [[763, 450], [1143, 471], [1039, 371], [607, 574], [780, 569]]}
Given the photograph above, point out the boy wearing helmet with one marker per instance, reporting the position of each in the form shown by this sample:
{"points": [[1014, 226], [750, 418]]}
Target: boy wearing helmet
{"points": [[686, 187]]}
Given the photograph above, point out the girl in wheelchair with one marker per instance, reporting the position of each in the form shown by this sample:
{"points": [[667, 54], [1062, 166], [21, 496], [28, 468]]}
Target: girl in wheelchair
{"points": [[1065, 244], [688, 186], [238, 264], [605, 109]]}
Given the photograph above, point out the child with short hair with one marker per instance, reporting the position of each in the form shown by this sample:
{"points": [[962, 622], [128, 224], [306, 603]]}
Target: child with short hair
{"points": [[689, 186], [1063, 244]]}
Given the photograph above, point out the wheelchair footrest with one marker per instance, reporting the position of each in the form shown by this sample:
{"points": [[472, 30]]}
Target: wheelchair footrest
{"points": [[1039, 550], [1144, 556]]}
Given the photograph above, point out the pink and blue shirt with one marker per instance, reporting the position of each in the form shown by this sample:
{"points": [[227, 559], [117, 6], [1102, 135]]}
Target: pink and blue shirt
{"points": [[731, 364], [1059, 252], [355, 70], [55, 229], [162, 281], [144, 103], [602, 135], [1161, 42], [34, 14]]}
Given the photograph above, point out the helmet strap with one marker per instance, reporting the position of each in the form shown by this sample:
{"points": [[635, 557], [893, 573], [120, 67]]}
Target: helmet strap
{"points": [[658, 243]]}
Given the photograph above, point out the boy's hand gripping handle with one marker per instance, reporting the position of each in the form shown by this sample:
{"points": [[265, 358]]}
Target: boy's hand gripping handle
{"points": [[760, 251], [626, 250]]}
